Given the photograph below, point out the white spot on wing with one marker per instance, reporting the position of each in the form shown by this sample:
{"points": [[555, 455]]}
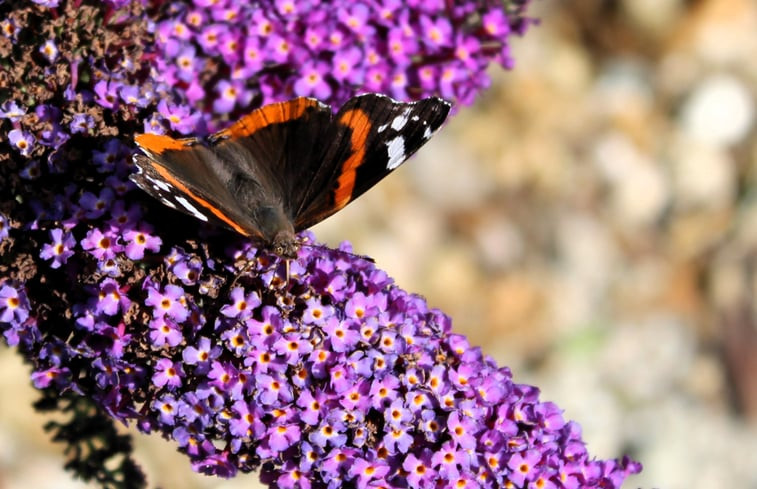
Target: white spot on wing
{"points": [[382, 127], [168, 203], [427, 133], [396, 150], [399, 122], [190, 208], [158, 183]]}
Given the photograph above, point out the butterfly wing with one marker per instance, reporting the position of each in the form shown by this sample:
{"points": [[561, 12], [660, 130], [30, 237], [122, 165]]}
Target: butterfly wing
{"points": [[277, 145], [370, 136], [245, 175], [286, 166], [186, 175]]}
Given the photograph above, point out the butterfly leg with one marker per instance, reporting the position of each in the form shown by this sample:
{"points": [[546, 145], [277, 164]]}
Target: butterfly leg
{"points": [[246, 268]]}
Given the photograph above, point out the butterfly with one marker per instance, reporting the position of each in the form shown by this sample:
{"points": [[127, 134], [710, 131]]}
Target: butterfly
{"points": [[285, 166]]}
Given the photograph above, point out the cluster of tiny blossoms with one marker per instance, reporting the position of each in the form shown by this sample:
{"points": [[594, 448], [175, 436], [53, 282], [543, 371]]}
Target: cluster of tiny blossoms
{"points": [[326, 375], [275, 49]]}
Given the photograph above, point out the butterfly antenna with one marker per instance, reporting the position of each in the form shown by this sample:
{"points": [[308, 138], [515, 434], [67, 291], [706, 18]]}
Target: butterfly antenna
{"points": [[343, 252]]}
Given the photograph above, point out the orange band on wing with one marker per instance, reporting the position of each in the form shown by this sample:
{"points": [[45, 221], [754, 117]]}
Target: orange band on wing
{"points": [[267, 115], [358, 121], [158, 143], [204, 203]]}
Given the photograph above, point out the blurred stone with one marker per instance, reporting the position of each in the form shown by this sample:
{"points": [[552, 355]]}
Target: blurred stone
{"points": [[719, 32], [654, 16], [693, 234], [515, 316], [585, 259], [668, 348], [720, 111], [448, 176], [704, 176], [688, 446], [499, 242], [638, 189], [623, 87]]}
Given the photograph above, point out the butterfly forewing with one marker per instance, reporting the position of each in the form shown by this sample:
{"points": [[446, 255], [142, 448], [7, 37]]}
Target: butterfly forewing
{"points": [[370, 136], [187, 176], [274, 147]]}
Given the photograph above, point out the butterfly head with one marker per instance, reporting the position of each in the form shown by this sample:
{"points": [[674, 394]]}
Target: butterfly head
{"points": [[285, 244]]}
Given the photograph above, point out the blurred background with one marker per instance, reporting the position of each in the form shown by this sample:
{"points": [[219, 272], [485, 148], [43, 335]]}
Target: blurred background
{"points": [[591, 222]]}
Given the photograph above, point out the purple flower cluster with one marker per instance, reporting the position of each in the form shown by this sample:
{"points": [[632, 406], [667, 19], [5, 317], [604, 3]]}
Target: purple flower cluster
{"points": [[224, 55], [325, 375]]}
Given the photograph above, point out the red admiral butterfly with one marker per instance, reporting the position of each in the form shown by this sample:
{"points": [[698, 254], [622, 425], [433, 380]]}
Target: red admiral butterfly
{"points": [[286, 166]]}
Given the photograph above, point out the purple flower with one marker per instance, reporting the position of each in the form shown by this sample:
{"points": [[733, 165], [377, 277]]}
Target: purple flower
{"points": [[495, 23], [102, 246], [451, 460], [312, 81], [12, 111], [167, 407], [49, 50], [107, 93], [167, 374], [243, 305], [137, 241], [45, 378], [110, 155], [201, 355], [328, 435], [188, 271], [523, 466], [210, 37], [366, 471], [31, 170], [230, 47], [229, 93], [111, 300], [467, 48], [9, 29], [14, 306], [185, 62], [419, 471], [179, 117], [401, 46], [81, 123], [279, 47], [282, 437], [95, 206], [247, 422], [4, 227], [130, 95], [355, 18], [171, 302], [437, 33], [22, 141], [163, 331]]}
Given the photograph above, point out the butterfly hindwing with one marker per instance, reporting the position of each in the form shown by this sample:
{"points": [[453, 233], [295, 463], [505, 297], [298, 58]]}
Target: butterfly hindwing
{"points": [[370, 136]]}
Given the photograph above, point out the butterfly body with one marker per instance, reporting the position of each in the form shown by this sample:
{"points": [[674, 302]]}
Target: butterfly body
{"points": [[285, 166]]}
